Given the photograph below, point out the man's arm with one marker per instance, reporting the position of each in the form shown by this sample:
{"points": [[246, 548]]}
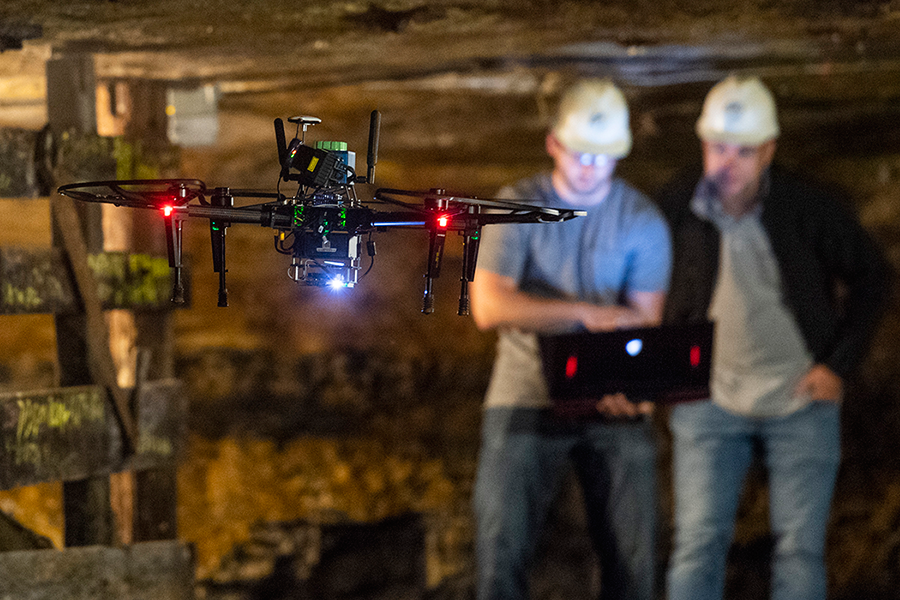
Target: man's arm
{"points": [[497, 302]]}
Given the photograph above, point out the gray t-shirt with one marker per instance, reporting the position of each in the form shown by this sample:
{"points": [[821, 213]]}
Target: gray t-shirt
{"points": [[621, 245], [759, 354]]}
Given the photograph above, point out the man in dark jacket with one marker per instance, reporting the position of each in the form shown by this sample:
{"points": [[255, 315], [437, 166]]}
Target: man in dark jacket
{"points": [[760, 252]]}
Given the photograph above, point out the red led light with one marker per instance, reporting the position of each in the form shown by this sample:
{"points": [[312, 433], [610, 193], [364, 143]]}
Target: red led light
{"points": [[443, 221], [167, 210], [695, 356], [571, 366]]}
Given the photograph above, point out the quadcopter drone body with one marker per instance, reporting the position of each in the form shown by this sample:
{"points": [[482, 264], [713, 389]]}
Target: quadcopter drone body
{"points": [[321, 226]]}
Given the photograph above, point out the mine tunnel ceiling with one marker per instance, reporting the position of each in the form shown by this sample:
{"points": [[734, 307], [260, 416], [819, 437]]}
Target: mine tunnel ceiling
{"points": [[830, 61], [647, 43], [642, 42]]}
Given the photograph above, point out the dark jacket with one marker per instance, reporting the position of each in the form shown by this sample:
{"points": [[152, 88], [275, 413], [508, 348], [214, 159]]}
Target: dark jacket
{"points": [[835, 279]]}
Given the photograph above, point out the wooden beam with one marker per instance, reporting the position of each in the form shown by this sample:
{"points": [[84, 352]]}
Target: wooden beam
{"points": [[149, 571], [37, 280], [70, 434]]}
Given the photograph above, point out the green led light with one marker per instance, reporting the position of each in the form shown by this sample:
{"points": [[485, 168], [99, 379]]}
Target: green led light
{"points": [[298, 216]]}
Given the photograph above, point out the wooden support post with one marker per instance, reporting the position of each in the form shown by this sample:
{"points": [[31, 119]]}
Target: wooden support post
{"points": [[147, 497], [88, 513], [70, 108], [100, 363], [71, 95], [86, 503], [156, 514], [155, 489]]}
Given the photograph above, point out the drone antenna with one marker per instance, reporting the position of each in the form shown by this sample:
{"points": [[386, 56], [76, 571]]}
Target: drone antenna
{"points": [[372, 156], [281, 141], [304, 121]]}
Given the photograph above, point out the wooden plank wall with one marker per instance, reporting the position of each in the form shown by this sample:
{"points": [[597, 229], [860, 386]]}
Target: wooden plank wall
{"points": [[35, 280], [67, 434], [159, 570], [92, 426]]}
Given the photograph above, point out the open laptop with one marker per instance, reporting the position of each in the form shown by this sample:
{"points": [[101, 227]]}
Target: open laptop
{"points": [[669, 363]]}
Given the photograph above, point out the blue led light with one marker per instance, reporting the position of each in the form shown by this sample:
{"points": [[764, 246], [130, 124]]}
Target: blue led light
{"points": [[633, 347]]}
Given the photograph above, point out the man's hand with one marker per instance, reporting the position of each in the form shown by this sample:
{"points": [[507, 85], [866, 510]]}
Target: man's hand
{"points": [[609, 318], [821, 383], [617, 405]]}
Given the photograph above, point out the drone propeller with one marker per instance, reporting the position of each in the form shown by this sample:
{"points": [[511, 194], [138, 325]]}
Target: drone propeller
{"points": [[439, 194], [137, 193]]}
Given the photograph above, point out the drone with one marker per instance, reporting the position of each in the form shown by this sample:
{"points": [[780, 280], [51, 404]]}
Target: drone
{"points": [[323, 225]]}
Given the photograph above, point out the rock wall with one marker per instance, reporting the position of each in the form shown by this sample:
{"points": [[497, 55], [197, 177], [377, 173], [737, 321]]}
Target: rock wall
{"points": [[391, 428]]}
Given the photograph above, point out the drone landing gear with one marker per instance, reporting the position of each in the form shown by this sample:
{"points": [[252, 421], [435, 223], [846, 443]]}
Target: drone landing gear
{"points": [[471, 232], [221, 197], [174, 221], [471, 241], [433, 269]]}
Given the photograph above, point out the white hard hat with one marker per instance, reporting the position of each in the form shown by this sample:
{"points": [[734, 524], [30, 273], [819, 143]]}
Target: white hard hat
{"points": [[593, 119], [738, 110]]}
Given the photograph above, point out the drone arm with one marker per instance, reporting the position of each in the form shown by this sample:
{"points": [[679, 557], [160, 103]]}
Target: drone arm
{"points": [[527, 217]]}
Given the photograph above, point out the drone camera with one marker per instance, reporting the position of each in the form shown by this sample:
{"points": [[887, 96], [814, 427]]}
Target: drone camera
{"points": [[327, 244], [334, 274]]}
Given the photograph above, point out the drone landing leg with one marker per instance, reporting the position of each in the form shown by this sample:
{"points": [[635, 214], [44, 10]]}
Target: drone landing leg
{"points": [[217, 231], [174, 245], [471, 241], [435, 254]]}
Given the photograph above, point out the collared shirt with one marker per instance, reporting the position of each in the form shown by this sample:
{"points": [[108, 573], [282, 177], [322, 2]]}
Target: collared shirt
{"points": [[759, 354]]}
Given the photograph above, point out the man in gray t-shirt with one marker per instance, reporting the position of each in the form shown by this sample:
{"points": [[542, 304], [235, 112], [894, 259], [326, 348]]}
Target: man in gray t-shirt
{"points": [[606, 270]]}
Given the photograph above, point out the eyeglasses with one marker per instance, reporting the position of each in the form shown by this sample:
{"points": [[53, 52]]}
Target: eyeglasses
{"points": [[586, 159]]}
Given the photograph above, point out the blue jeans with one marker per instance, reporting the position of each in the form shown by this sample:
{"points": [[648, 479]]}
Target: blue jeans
{"points": [[523, 458], [712, 451]]}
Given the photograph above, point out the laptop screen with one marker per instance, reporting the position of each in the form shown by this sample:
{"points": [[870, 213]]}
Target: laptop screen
{"points": [[669, 363]]}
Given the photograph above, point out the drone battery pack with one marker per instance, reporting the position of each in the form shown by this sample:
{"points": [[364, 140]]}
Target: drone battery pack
{"points": [[316, 167]]}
